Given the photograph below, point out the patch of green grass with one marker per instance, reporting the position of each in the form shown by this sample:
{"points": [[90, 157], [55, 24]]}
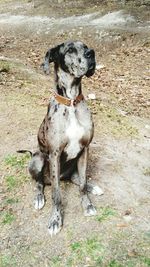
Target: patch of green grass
{"points": [[89, 251], [55, 261], [11, 201], [8, 218], [14, 181], [11, 181], [7, 261], [105, 213], [75, 246], [94, 252], [114, 263], [15, 165], [146, 261], [146, 171], [18, 161]]}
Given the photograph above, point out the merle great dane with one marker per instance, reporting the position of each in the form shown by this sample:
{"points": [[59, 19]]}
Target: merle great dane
{"points": [[66, 131]]}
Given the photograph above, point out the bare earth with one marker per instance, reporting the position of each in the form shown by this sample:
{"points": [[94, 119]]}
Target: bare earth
{"points": [[119, 154]]}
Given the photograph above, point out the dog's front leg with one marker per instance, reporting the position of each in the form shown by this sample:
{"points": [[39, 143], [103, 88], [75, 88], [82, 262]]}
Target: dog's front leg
{"points": [[87, 205], [56, 219]]}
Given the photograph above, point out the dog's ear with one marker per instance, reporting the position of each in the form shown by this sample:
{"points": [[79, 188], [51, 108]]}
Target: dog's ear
{"points": [[52, 55]]}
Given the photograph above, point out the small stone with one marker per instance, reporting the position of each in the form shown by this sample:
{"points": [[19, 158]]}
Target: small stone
{"points": [[127, 218], [100, 66], [92, 96]]}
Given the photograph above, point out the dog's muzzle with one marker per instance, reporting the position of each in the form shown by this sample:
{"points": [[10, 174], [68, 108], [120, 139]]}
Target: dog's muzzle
{"points": [[91, 69], [90, 56]]}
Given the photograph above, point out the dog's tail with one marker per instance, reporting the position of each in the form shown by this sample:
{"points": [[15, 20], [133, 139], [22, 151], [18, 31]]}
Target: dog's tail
{"points": [[25, 151]]}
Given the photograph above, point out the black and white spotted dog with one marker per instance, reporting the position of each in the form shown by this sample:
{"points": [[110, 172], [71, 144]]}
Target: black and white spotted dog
{"points": [[66, 131]]}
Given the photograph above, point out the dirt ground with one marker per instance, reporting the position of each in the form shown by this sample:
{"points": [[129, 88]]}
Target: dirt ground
{"points": [[119, 235]]}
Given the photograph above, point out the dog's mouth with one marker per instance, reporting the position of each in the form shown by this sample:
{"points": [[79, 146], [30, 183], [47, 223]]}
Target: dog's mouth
{"points": [[91, 69]]}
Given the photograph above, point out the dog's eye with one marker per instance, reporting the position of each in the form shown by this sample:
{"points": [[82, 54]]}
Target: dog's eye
{"points": [[70, 50]]}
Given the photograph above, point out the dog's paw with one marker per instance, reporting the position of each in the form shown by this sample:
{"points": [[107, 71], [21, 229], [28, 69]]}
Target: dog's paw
{"points": [[90, 210], [96, 190], [39, 201], [55, 224]]}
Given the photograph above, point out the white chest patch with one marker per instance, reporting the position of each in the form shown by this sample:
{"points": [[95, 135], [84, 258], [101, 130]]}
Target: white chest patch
{"points": [[75, 131]]}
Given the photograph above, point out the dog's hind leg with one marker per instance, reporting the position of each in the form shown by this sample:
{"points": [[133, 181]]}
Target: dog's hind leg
{"points": [[36, 169], [93, 189]]}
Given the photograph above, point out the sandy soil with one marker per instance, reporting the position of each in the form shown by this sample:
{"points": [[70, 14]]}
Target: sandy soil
{"points": [[119, 153]]}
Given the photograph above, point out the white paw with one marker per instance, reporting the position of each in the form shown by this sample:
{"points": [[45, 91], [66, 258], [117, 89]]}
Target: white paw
{"points": [[39, 202], [96, 190], [55, 225], [90, 211], [54, 229]]}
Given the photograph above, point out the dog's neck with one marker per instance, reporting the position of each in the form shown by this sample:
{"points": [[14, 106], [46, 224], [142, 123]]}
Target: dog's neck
{"points": [[67, 85]]}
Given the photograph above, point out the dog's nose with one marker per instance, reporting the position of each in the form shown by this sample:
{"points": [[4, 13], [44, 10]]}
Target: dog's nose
{"points": [[89, 53]]}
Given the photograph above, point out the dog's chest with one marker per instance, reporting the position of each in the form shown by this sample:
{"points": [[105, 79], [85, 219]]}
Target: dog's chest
{"points": [[75, 131]]}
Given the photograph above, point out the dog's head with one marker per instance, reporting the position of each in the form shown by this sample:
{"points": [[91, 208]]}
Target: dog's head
{"points": [[72, 57]]}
